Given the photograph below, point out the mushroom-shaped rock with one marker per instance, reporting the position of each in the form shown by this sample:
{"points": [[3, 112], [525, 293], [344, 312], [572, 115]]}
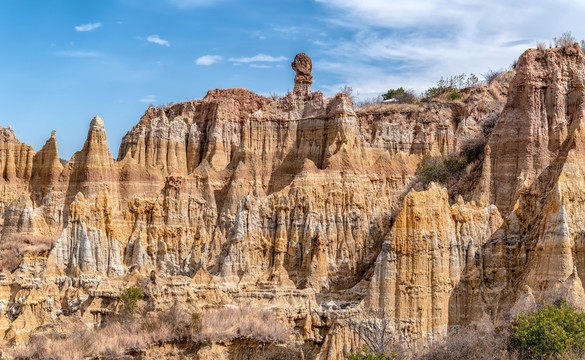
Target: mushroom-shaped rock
{"points": [[302, 65]]}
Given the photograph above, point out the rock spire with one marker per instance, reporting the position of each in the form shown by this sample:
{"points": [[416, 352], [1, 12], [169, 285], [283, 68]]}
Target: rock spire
{"points": [[302, 65]]}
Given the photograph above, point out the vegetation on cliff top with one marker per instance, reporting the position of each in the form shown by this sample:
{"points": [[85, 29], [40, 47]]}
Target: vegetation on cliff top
{"points": [[555, 331], [118, 335]]}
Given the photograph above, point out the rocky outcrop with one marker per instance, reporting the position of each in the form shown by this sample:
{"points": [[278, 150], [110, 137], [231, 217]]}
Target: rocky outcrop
{"points": [[16, 159], [544, 101], [306, 205], [423, 260], [46, 169], [303, 66]]}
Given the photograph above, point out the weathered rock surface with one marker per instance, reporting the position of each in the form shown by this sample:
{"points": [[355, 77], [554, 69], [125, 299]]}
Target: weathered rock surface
{"points": [[304, 205]]}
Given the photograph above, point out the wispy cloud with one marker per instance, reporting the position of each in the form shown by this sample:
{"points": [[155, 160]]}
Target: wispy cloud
{"points": [[88, 27], [288, 30], [260, 66], [412, 44], [259, 35], [157, 40], [208, 60], [259, 58], [79, 54], [148, 99], [185, 4]]}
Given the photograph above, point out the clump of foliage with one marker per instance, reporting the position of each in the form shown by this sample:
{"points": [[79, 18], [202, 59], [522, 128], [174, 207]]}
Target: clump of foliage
{"points": [[472, 147], [400, 95], [440, 170], [554, 331], [436, 91], [455, 95], [450, 85], [488, 125], [130, 297], [364, 354]]}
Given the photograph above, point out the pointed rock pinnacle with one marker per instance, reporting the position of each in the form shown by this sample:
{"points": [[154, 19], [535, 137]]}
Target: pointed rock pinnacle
{"points": [[97, 124]]}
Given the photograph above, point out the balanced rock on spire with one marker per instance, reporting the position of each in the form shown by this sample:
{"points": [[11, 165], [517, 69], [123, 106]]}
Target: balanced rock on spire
{"points": [[302, 65]]}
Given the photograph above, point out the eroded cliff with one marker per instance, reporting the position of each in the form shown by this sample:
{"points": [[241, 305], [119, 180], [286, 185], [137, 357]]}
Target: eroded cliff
{"points": [[304, 205]]}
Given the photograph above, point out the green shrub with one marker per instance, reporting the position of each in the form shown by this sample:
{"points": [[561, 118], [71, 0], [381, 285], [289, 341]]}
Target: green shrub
{"points": [[130, 297], [366, 355], [400, 95], [196, 322], [436, 91], [553, 332], [455, 95], [451, 85], [440, 170]]}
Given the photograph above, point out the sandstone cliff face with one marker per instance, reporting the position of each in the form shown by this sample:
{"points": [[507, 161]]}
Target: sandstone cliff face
{"points": [[16, 159], [303, 204]]}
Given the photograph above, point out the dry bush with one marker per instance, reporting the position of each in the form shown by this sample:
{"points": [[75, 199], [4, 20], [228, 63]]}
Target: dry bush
{"points": [[565, 40], [470, 343], [373, 328], [348, 90], [388, 107], [245, 322], [472, 147], [540, 45], [371, 101], [111, 340], [116, 337], [251, 351], [488, 125], [280, 353], [13, 249], [491, 75], [176, 322], [275, 96]]}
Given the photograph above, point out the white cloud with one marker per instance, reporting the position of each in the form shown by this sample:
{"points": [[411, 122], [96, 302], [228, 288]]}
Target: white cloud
{"points": [[259, 58], [185, 4], [290, 30], [148, 99], [413, 43], [208, 59], [157, 40], [259, 35], [260, 66], [79, 54], [88, 27]]}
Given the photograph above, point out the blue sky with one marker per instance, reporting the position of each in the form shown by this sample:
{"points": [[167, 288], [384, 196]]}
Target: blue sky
{"points": [[62, 62]]}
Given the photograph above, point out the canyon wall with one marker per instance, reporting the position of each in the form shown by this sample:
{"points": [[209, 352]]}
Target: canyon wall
{"points": [[310, 207]]}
